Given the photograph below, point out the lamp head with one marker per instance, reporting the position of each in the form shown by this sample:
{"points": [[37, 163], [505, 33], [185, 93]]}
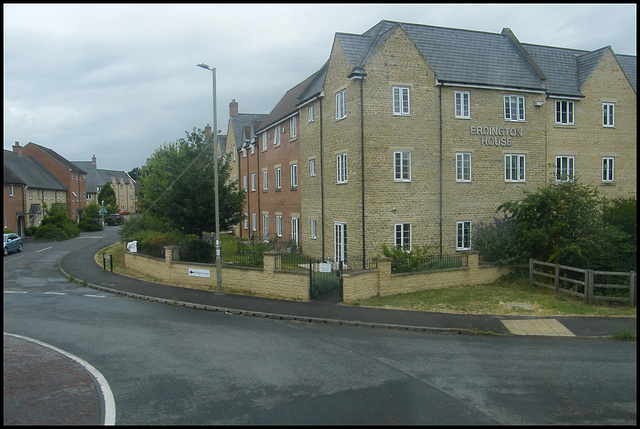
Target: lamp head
{"points": [[204, 66]]}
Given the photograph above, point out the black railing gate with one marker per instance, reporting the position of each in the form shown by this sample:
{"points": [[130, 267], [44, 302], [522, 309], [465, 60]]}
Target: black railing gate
{"points": [[325, 279]]}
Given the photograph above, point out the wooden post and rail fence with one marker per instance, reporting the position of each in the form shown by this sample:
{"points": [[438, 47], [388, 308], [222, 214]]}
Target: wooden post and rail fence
{"points": [[584, 280]]}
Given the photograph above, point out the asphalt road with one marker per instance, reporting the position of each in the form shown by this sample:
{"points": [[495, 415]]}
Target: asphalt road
{"points": [[176, 365]]}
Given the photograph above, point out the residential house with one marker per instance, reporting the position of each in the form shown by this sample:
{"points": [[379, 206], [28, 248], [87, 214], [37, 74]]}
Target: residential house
{"points": [[416, 133], [28, 188], [123, 185], [70, 175]]}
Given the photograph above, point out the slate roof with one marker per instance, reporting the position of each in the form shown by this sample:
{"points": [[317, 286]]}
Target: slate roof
{"points": [[28, 171], [288, 104], [488, 59], [98, 177], [240, 122], [62, 160]]}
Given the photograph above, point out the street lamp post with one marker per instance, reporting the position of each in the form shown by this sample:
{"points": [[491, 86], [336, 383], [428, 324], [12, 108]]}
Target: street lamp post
{"points": [[215, 161]]}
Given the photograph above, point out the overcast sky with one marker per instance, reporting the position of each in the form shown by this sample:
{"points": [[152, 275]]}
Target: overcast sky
{"points": [[118, 81]]}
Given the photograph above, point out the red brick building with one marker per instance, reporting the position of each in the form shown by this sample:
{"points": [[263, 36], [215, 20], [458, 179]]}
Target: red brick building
{"points": [[69, 174]]}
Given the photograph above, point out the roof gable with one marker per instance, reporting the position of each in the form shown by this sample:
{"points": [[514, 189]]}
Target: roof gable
{"points": [[62, 160], [29, 171]]}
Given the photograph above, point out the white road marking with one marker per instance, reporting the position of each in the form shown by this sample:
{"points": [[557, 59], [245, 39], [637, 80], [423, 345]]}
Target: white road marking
{"points": [[55, 293], [96, 296], [42, 250], [15, 291], [107, 395]]}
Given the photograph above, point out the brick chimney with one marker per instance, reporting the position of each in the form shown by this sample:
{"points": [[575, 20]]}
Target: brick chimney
{"points": [[93, 160], [17, 148], [233, 108]]}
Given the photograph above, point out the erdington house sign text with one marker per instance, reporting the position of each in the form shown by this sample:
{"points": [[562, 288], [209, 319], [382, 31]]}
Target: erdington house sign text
{"points": [[495, 136]]}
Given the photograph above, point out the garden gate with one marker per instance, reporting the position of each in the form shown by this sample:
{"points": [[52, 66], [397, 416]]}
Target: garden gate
{"points": [[325, 281]]}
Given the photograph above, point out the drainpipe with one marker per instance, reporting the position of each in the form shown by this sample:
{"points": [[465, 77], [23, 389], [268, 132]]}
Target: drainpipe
{"points": [[359, 73], [440, 103], [321, 183]]}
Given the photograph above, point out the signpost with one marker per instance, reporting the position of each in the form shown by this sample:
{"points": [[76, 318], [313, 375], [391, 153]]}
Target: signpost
{"points": [[103, 212]]}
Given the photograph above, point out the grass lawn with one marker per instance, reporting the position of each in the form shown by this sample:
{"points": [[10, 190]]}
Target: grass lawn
{"points": [[503, 297]]}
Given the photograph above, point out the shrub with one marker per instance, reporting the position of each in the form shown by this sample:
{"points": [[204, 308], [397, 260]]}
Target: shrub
{"points": [[87, 225], [30, 230], [51, 232], [196, 251]]}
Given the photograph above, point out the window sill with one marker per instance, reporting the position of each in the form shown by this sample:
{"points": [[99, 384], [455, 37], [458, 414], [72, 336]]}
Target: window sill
{"points": [[609, 183], [402, 180]]}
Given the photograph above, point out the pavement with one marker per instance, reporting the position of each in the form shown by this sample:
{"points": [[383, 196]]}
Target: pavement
{"points": [[26, 385]]}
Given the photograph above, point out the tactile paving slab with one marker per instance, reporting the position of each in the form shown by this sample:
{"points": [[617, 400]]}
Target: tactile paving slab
{"points": [[547, 327]]}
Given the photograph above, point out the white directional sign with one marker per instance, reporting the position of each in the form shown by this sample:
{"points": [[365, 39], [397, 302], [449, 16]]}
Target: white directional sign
{"points": [[195, 272]]}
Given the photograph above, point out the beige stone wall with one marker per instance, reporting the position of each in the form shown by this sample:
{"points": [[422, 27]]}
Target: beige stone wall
{"points": [[263, 282], [589, 141], [311, 186], [269, 282]]}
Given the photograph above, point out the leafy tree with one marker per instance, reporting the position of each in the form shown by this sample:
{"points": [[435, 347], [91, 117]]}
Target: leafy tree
{"points": [[107, 195], [56, 225], [565, 222], [178, 184], [91, 218], [134, 173]]}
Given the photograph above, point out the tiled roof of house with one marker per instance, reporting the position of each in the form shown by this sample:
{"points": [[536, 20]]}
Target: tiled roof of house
{"points": [[62, 160], [92, 175], [488, 59], [28, 171], [238, 124], [288, 103]]}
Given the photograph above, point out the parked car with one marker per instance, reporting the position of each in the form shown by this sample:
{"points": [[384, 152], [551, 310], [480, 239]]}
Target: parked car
{"points": [[114, 219], [12, 243]]}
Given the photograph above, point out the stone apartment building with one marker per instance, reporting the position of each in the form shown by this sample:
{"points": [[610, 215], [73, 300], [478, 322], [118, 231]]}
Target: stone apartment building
{"points": [[71, 176], [28, 186], [412, 134], [122, 184]]}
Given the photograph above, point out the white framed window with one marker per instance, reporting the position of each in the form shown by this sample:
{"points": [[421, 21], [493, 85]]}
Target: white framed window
{"points": [[44, 194], [462, 104], [463, 167], [403, 236], [253, 149], [253, 221], [279, 225], [313, 229], [341, 104], [244, 152], [608, 163], [311, 114], [11, 190], [514, 108], [608, 115], [253, 181], [293, 127], [278, 178], [244, 182], [565, 168], [265, 225], [276, 136], [401, 101], [295, 228], [402, 166], [264, 142], [294, 176], [340, 242], [265, 182], [342, 173], [30, 193], [246, 220], [514, 168], [312, 167], [564, 112], [463, 235]]}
